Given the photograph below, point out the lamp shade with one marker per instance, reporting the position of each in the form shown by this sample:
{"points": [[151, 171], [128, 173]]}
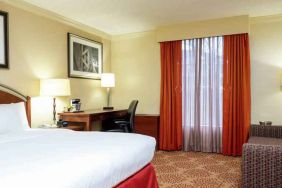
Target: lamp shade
{"points": [[54, 87], [107, 80]]}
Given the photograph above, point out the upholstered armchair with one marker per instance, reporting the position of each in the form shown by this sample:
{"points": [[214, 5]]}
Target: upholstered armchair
{"points": [[262, 157]]}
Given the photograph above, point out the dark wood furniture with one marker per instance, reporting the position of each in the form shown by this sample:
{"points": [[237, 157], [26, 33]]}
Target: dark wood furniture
{"points": [[89, 116], [148, 125], [74, 127], [9, 95]]}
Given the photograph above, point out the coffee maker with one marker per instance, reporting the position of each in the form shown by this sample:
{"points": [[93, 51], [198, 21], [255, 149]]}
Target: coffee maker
{"points": [[75, 104]]}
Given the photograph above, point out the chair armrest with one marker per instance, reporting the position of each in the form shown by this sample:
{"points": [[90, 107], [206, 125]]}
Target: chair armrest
{"points": [[266, 131], [122, 122], [124, 125], [262, 165]]}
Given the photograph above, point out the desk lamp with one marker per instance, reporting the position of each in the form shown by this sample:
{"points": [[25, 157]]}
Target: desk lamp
{"points": [[108, 81], [54, 88]]}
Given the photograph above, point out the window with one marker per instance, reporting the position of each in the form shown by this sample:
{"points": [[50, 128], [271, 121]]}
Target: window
{"points": [[202, 84]]}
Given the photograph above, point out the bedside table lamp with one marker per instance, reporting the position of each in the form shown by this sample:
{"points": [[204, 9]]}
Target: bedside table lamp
{"points": [[54, 88], [108, 81]]}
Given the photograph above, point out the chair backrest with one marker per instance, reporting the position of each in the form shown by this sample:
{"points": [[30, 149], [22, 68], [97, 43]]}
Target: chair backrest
{"points": [[131, 114]]}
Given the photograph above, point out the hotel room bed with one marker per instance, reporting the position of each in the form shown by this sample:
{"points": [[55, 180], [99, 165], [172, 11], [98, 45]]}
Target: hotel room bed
{"points": [[61, 158], [65, 159]]}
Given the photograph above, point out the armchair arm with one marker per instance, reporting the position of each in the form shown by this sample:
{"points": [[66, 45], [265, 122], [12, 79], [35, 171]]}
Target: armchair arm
{"points": [[266, 131], [262, 165]]}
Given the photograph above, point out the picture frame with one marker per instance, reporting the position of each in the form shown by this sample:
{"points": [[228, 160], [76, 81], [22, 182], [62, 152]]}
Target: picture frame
{"points": [[85, 58], [4, 44]]}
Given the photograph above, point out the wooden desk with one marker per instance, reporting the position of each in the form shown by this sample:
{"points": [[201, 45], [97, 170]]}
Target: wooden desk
{"points": [[89, 116]]}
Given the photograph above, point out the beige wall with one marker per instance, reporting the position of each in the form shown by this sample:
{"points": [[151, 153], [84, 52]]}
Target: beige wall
{"points": [[136, 58], [266, 61], [207, 28], [135, 62], [38, 49]]}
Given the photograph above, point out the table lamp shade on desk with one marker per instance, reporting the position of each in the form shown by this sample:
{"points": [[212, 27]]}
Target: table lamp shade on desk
{"points": [[54, 88], [108, 81]]}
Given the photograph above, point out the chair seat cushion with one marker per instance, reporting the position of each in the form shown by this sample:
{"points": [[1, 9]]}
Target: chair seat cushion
{"points": [[265, 140]]}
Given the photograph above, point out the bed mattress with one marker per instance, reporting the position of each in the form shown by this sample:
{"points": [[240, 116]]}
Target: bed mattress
{"points": [[65, 159]]}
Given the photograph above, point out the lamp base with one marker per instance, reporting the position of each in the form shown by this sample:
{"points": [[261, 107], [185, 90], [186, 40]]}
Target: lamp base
{"points": [[108, 108]]}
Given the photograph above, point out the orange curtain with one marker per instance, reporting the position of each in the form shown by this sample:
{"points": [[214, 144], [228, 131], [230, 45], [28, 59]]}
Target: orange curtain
{"points": [[236, 94], [171, 97]]}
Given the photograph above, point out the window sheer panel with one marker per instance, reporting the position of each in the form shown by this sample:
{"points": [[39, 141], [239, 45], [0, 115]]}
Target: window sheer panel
{"points": [[202, 79]]}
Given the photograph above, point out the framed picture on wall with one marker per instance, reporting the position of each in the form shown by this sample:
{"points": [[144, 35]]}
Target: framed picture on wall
{"points": [[4, 48], [84, 57]]}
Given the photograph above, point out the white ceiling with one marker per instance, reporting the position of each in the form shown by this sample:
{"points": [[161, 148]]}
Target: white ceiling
{"points": [[128, 16]]}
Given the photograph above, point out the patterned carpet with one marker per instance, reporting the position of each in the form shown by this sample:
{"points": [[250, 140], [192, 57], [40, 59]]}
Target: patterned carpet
{"points": [[197, 170]]}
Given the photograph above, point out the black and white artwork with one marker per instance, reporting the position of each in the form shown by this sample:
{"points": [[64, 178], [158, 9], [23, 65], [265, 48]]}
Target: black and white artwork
{"points": [[85, 57], [4, 53]]}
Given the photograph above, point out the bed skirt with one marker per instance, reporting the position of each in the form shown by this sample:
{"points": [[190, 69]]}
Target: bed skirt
{"points": [[144, 178]]}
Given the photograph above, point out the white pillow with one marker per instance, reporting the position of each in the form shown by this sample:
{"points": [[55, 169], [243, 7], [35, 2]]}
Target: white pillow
{"points": [[13, 117]]}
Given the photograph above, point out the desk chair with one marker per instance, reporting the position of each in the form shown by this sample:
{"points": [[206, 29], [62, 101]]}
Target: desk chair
{"points": [[126, 124]]}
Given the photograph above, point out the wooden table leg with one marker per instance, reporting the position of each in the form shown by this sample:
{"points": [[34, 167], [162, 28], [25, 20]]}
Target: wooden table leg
{"points": [[88, 124]]}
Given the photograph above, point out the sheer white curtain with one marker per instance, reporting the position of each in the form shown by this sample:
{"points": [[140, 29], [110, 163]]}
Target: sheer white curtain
{"points": [[202, 80]]}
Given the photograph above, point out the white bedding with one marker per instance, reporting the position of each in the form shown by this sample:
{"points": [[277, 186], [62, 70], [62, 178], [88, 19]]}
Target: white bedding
{"points": [[68, 159]]}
